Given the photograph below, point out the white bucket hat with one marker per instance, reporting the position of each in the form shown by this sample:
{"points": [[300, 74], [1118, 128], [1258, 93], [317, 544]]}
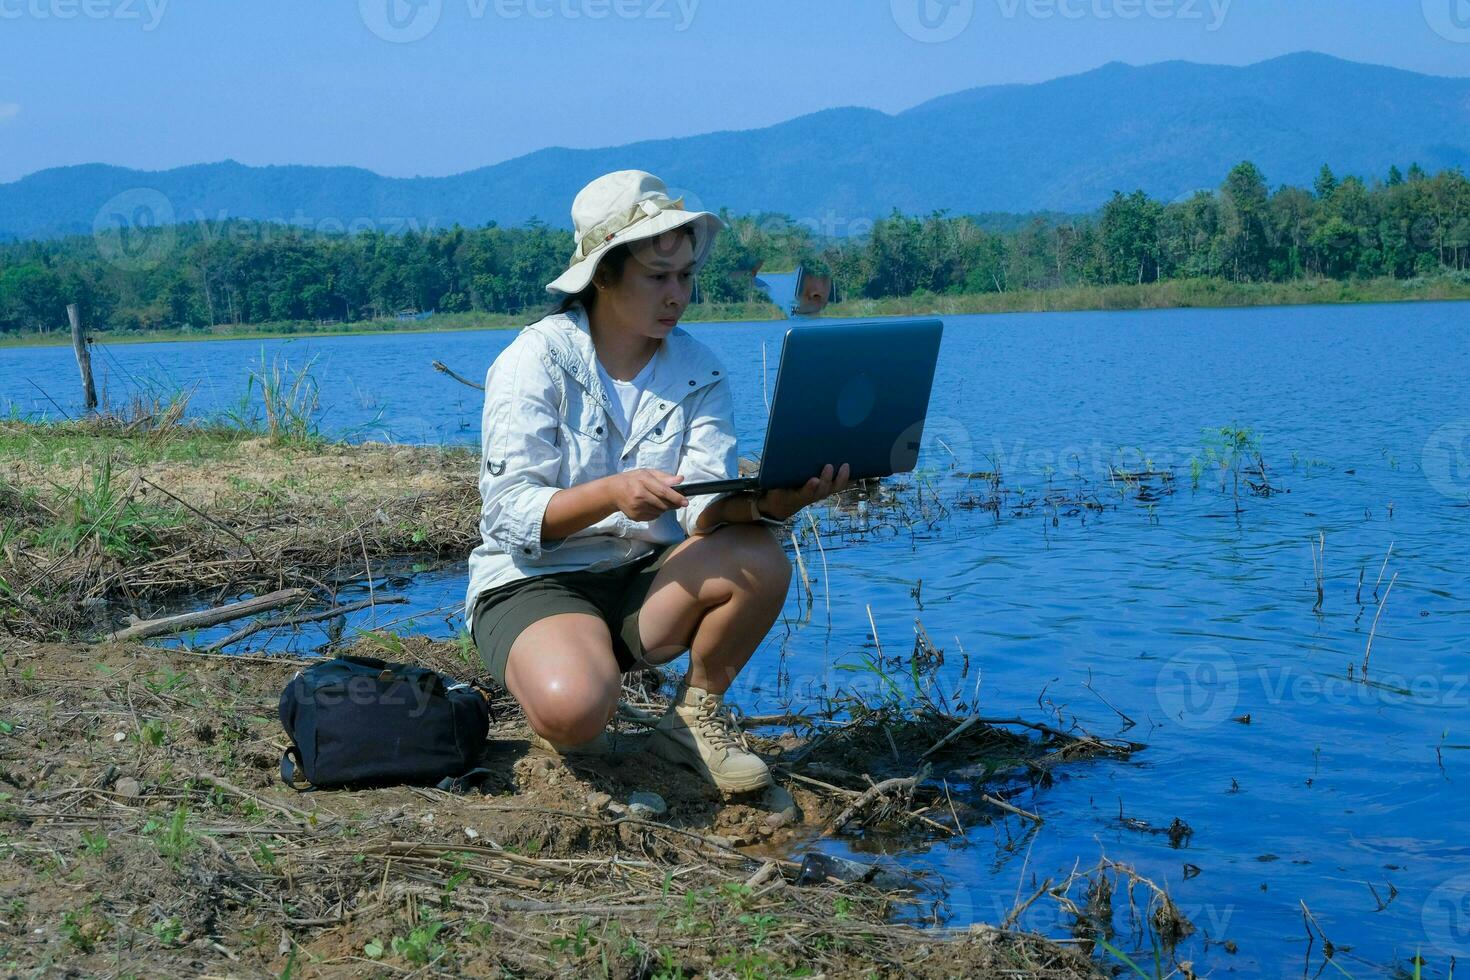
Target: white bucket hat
{"points": [[623, 207]]}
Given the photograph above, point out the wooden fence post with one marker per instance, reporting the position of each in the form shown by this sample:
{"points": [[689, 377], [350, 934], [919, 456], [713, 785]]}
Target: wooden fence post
{"points": [[84, 356]]}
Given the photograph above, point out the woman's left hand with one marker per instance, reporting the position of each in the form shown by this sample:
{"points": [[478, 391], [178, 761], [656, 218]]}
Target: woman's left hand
{"points": [[784, 504]]}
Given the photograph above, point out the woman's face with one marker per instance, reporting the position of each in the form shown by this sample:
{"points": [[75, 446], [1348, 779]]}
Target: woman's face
{"points": [[657, 281]]}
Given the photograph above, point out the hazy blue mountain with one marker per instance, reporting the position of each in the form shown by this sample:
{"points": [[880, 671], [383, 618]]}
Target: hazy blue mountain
{"points": [[1062, 145]]}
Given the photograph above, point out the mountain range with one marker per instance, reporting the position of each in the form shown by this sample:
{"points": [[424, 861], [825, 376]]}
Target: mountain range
{"points": [[1063, 145]]}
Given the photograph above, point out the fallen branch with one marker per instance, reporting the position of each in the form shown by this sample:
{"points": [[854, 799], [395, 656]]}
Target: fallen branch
{"points": [[168, 625], [996, 801], [954, 733], [1015, 914], [898, 784], [784, 718], [248, 631], [443, 368]]}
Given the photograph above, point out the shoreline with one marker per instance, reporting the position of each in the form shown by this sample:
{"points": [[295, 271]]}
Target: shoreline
{"points": [[1176, 294], [446, 324], [181, 844]]}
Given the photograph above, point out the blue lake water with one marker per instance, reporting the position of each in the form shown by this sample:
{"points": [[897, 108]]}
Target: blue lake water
{"points": [[1179, 613]]}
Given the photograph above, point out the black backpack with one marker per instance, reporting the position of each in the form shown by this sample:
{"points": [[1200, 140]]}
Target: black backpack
{"points": [[359, 721]]}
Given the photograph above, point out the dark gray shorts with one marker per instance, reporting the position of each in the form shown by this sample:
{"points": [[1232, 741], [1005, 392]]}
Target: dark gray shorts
{"points": [[615, 594]]}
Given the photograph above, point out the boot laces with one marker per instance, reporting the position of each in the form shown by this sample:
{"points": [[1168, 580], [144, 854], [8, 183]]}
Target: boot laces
{"points": [[720, 724]]}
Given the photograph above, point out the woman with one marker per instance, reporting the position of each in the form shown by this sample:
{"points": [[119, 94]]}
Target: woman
{"points": [[592, 563]]}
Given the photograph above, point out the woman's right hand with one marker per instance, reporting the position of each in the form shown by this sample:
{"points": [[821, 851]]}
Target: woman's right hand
{"points": [[645, 494]]}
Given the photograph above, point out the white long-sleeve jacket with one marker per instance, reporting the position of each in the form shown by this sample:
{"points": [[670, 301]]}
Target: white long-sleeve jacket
{"points": [[546, 426]]}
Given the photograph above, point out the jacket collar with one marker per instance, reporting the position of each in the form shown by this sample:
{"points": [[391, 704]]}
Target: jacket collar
{"points": [[688, 365]]}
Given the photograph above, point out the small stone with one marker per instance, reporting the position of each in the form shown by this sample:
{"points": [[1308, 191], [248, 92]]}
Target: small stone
{"points": [[780, 803], [775, 821], [472, 833], [119, 736], [129, 787], [596, 801], [650, 804]]}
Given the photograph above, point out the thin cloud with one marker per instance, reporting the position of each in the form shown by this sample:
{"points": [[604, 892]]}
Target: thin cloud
{"points": [[8, 111]]}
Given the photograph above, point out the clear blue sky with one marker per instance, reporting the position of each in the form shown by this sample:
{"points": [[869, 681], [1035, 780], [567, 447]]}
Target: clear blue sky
{"points": [[161, 83]]}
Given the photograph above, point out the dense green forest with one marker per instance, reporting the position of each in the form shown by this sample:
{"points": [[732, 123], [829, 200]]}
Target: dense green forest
{"points": [[238, 273]]}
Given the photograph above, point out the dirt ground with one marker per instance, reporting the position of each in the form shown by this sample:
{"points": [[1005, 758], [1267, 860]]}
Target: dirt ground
{"points": [[144, 832]]}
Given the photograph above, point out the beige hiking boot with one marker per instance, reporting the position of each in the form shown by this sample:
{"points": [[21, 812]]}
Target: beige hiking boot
{"points": [[698, 731]]}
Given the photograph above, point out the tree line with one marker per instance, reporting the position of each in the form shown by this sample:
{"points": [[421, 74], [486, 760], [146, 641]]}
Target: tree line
{"points": [[207, 274]]}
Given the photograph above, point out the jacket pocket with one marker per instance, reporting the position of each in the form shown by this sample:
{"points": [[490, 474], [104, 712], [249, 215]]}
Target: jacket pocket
{"points": [[586, 433], [661, 446]]}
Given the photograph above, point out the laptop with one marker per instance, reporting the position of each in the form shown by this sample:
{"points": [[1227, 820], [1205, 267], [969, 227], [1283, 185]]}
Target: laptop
{"points": [[854, 393]]}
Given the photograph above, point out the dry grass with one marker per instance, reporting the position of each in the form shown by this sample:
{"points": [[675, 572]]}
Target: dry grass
{"points": [[97, 520]]}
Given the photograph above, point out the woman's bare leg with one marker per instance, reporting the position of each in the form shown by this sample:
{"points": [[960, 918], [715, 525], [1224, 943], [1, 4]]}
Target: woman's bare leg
{"points": [[563, 673], [716, 595]]}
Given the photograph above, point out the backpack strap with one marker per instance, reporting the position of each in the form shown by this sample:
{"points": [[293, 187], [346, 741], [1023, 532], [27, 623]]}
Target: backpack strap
{"points": [[463, 784], [487, 695], [290, 765]]}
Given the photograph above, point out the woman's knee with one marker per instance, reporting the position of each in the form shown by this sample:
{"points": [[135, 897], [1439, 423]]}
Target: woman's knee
{"points": [[571, 717], [759, 557], [566, 679]]}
